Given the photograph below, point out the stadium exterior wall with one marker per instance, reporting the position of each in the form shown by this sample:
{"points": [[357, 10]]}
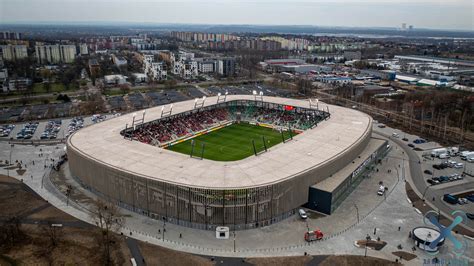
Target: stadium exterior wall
{"points": [[203, 208]]}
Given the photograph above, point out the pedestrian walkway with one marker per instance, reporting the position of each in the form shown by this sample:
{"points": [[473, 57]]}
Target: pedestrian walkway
{"points": [[378, 216]]}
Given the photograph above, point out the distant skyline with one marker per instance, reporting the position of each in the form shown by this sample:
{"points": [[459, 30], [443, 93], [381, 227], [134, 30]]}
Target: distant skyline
{"points": [[431, 14]]}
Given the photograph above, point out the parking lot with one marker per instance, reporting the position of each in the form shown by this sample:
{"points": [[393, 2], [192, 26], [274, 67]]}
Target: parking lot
{"points": [[49, 129], [440, 176]]}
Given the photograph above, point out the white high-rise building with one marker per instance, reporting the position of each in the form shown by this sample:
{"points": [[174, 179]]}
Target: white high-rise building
{"points": [[55, 53], [154, 70], [13, 52], [184, 65], [83, 49]]}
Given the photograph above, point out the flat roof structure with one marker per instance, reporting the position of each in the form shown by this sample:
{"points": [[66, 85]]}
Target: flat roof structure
{"points": [[103, 142], [258, 190], [330, 184]]}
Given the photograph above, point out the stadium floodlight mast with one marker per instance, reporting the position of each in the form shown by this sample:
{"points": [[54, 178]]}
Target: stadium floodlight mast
{"points": [[219, 98], [198, 104], [260, 94], [195, 102], [314, 104], [133, 121], [163, 113]]}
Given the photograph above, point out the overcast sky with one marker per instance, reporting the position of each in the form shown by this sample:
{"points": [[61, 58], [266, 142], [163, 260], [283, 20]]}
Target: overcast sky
{"points": [[437, 14]]}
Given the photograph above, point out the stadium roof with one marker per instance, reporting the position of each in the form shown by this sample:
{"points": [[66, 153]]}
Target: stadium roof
{"points": [[312, 148]]}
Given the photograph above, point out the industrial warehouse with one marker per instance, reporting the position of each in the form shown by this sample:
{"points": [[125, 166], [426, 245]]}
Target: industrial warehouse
{"points": [[114, 161]]}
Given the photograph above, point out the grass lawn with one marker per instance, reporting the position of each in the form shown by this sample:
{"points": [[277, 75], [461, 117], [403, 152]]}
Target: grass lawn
{"points": [[55, 87], [232, 143]]}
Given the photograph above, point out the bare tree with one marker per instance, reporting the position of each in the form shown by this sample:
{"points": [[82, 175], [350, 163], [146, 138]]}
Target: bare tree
{"points": [[54, 233], [109, 220], [304, 86], [10, 233]]}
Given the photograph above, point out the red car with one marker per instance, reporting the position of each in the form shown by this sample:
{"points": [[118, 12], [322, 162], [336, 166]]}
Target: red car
{"points": [[313, 235]]}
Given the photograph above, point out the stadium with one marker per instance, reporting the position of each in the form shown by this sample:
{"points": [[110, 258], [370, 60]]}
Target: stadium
{"points": [[241, 161]]}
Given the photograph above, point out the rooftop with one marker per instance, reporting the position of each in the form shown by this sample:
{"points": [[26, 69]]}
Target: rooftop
{"points": [[312, 148]]}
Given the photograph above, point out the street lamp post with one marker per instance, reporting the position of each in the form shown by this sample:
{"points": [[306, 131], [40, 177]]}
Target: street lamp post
{"points": [[367, 238], [164, 228], [357, 210], [234, 240], [424, 193], [10, 159]]}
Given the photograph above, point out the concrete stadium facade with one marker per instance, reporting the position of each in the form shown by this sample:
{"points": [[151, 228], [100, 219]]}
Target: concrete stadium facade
{"points": [[155, 182]]}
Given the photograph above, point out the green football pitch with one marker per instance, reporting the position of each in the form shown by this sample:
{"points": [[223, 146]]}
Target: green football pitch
{"points": [[231, 143]]}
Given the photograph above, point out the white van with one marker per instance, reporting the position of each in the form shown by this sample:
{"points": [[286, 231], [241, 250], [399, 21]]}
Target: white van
{"points": [[438, 152], [302, 214], [381, 191], [443, 156]]}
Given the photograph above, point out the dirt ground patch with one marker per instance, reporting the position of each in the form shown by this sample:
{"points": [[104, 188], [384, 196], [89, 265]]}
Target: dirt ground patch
{"points": [[76, 247], [15, 201], [288, 261], [20, 171], [6, 179], [405, 255], [350, 260], [155, 255], [51, 213], [372, 244]]}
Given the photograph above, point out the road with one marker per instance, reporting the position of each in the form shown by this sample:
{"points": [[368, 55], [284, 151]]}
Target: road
{"points": [[422, 187], [92, 89], [135, 250]]}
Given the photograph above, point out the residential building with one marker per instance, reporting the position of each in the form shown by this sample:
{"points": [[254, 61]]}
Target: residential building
{"points": [[352, 55], [139, 77], [3, 79], [13, 52], [19, 84], [83, 49], [55, 53], [184, 65], [8, 35], [153, 69], [115, 79], [207, 65], [119, 61], [94, 67], [226, 66]]}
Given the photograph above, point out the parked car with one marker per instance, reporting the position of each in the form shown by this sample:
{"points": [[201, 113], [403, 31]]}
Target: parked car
{"points": [[381, 191], [459, 165], [411, 145], [428, 172], [302, 214], [444, 156], [450, 199], [419, 141], [395, 135], [470, 216], [444, 178], [405, 139], [381, 126], [462, 201], [432, 182]]}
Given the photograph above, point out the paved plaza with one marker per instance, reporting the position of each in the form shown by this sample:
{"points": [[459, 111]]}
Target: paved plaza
{"points": [[384, 214]]}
